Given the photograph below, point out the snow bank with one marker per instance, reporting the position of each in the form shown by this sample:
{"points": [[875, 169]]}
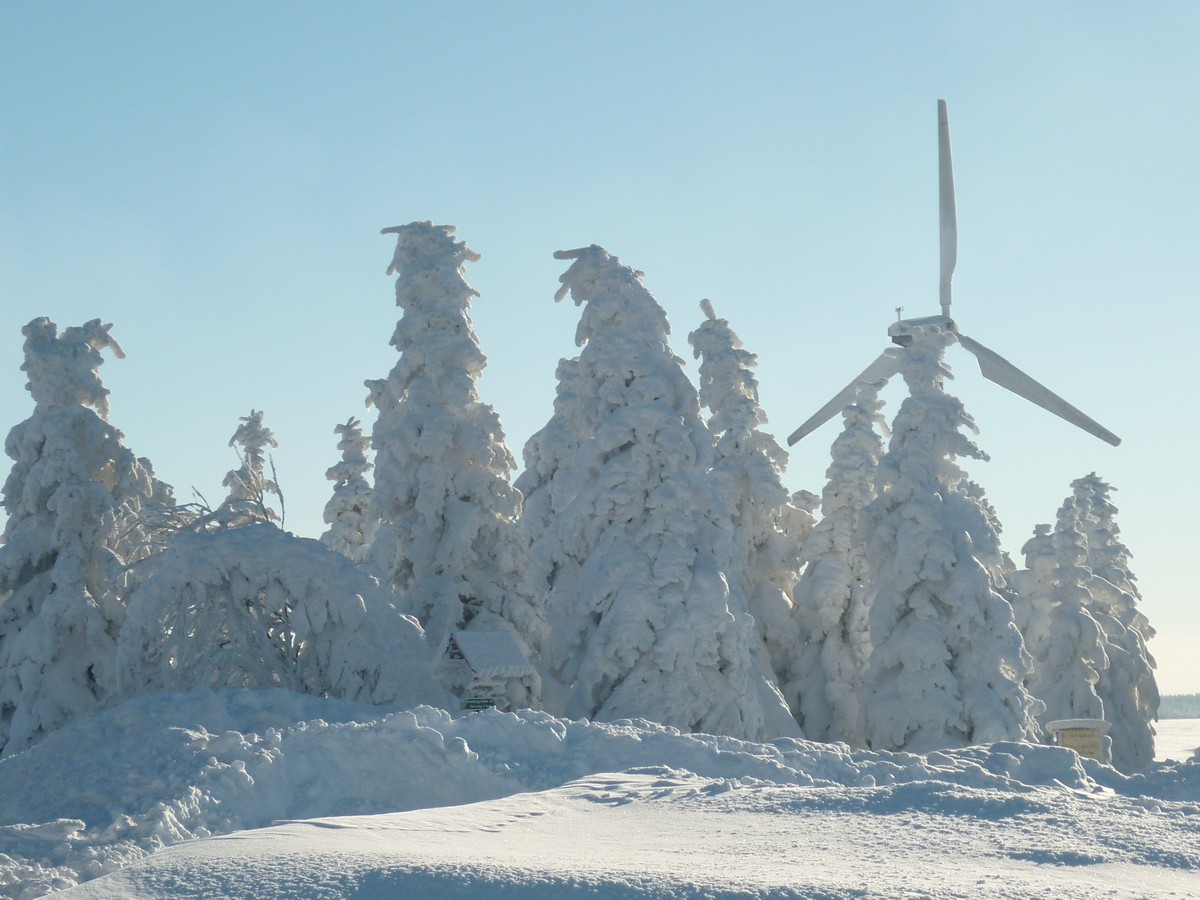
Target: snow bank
{"points": [[115, 788]]}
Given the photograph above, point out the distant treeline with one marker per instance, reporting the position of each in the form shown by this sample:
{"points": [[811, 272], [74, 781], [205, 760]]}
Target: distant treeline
{"points": [[1180, 706]]}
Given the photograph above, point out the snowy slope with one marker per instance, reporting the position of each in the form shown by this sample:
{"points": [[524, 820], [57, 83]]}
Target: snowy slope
{"points": [[498, 805]]}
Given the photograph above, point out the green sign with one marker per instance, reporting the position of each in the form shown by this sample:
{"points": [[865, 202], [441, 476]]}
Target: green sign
{"points": [[478, 703]]}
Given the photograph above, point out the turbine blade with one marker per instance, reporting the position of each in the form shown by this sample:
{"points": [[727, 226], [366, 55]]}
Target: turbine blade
{"points": [[887, 365], [947, 212], [998, 369]]}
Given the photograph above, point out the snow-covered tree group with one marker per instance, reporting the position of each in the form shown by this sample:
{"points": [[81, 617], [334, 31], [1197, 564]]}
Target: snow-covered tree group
{"points": [[630, 537], [648, 561]]}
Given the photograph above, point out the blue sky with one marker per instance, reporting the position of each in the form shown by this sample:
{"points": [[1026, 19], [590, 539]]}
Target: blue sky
{"points": [[212, 179]]}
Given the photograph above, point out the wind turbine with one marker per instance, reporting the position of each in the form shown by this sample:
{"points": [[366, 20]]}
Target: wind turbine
{"points": [[993, 366]]}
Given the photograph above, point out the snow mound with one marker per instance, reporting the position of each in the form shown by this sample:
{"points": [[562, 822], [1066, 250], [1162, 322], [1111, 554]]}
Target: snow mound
{"points": [[113, 789]]}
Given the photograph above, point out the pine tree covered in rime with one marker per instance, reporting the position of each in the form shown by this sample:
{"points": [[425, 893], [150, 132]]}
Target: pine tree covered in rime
{"points": [[747, 471], [1127, 686], [248, 484], [629, 532], [346, 511], [74, 499], [1107, 555], [447, 537], [1051, 605], [830, 599], [947, 663], [256, 607], [986, 536]]}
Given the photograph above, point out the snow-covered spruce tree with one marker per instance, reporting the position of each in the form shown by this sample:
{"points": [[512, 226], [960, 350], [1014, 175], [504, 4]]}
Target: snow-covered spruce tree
{"points": [[747, 471], [447, 537], [346, 511], [73, 497], [1127, 686], [256, 607], [1051, 605], [830, 600], [248, 484], [630, 533], [947, 663]]}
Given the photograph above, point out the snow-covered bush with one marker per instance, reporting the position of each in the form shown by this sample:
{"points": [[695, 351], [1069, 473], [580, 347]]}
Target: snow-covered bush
{"points": [[74, 499], [947, 663], [629, 534], [831, 657], [346, 511], [257, 607], [747, 471], [447, 538], [1051, 606], [1127, 686]]}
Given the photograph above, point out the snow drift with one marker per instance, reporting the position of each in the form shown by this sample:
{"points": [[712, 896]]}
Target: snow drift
{"points": [[113, 789]]}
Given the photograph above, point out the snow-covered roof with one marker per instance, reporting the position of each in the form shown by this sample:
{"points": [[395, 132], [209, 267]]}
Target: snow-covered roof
{"points": [[492, 654], [1066, 724]]}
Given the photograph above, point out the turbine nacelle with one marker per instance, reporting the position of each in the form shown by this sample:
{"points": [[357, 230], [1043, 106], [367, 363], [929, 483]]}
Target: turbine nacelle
{"points": [[901, 332]]}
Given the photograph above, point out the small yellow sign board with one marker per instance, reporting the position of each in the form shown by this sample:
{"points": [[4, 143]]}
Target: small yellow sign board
{"points": [[1084, 736]]}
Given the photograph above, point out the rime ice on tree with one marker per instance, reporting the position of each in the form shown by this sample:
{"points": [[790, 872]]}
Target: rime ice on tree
{"points": [[1051, 606], [747, 472], [629, 534], [346, 511], [947, 662], [74, 498], [1127, 686], [831, 596], [248, 484], [447, 539]]}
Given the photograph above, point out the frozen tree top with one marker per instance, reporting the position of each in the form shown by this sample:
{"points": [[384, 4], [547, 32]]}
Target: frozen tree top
{"points": [[64, 370], [597, 275], [351, 430], [421, 244], [252, 433]]}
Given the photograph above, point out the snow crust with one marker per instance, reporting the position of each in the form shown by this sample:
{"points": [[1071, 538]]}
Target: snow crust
{"points": [[498, 804]]}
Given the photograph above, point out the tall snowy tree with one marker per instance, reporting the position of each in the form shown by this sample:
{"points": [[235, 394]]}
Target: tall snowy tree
{"points": [[249, 486], [1127, 686], [629, 532], [74, 498], [346, 511], [747, 471], [447, 538], [831, 657], [947, 663], [1051, 605]]}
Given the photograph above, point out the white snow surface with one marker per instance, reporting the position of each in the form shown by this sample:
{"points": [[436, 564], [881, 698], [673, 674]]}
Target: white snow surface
{"points": [[271, 794]]}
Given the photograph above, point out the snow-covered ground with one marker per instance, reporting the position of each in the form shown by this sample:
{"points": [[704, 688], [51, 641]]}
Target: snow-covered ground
{"points": [[270, 794]]}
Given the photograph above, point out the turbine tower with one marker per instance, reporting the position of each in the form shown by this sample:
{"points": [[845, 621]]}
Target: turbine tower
{"points": [[993, 366]]}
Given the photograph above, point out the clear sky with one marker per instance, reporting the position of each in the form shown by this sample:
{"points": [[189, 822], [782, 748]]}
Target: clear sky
{"points": [[212, 178]]}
